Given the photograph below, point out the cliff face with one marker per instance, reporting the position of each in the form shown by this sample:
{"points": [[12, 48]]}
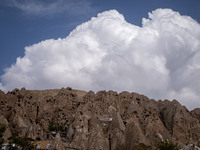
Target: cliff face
{"points": [[105, 120]]}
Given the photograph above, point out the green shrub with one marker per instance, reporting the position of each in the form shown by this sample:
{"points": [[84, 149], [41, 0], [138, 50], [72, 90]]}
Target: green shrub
{"points": [[55, 126], [20, 143], [166, 146], [2, 130]]}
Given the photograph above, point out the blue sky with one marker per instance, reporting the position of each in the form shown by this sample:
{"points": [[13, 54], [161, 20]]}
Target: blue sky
{"points": [[146, 46], [19, 28]]}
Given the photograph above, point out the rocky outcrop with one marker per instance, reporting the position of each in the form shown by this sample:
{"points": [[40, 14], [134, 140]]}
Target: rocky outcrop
{"points": [[196, 113], [57, 143], [7, 133], [105, 120]]}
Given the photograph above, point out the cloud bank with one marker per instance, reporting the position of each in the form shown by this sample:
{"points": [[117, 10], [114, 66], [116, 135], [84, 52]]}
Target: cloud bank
{"points": [[43, 8], [161, 59]]}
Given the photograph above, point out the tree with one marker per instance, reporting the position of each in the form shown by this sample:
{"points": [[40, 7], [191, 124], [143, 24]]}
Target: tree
{"points": [[2, 130], [55, 126], [16, 143], [166, 146]]}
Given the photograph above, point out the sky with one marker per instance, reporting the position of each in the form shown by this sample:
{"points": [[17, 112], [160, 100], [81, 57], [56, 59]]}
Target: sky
{"points": [[147, 46]]}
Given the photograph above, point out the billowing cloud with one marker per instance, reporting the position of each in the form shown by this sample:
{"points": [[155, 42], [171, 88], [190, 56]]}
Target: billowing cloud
{"points": [[43, 8], [161, 59], [1, 87]]}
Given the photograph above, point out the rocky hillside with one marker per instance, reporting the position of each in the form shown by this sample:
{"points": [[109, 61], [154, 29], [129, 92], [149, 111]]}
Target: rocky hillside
{"points": [[105, 120]]}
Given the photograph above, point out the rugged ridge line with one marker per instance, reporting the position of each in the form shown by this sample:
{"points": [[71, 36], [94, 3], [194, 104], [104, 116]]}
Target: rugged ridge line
{"points": [[105, 120]]}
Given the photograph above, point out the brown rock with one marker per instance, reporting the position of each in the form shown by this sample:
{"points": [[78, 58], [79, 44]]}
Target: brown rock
{"points": [[7, 133], [57, 143], [105, 120]]}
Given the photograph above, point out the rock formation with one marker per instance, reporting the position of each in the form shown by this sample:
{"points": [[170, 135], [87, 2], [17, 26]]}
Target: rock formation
{"points": [[102, 120], [57, 143]]}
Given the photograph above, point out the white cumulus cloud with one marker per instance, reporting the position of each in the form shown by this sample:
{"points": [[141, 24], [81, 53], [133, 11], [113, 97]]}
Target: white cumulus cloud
{"points": [[1, 87], [161, 59]]}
